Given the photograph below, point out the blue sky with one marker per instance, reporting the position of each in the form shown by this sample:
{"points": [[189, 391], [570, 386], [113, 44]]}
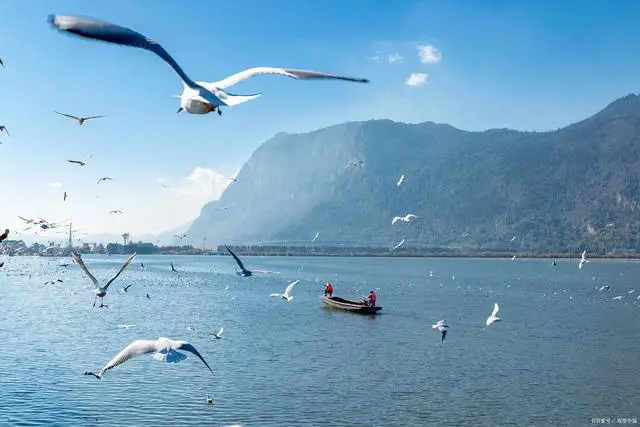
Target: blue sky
{"points": [[517, 64]]}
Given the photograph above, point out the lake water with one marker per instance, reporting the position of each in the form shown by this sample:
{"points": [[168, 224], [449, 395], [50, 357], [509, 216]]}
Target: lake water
{"points": [[563, 354]]}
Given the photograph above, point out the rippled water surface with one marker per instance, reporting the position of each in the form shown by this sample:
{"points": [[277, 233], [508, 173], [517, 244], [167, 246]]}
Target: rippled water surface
{"points": [[563, 353]]}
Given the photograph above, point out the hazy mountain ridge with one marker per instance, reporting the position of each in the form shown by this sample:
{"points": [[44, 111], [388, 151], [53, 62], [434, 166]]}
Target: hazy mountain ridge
{"points": [[469, 188]]}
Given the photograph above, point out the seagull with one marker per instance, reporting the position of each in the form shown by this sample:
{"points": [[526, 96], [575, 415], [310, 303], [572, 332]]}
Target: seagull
{"points": [[224, 208], [4, 129], [126, 288], [106, 178], [165, 185], [81, 163], [513, 238], [315, 237], [64, 198], [179, 236], [243, 271], [2, 63], [602, 288], [398, 245], [619, 297], [164, 349], [355, 163], [101, 291], [583, 260], [80, 120], [234, 179], [4, 235], [513, 258], [218, 333], [493, 317], [400, 181], [441, 327], [116, 211], [196, 97], [287, 292], [148, 297], [406, 218], [173, 269], [53, 282], [209, 400], [125, 326]]}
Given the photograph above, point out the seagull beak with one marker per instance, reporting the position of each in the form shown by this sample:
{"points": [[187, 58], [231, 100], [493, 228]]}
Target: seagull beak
{"points": [[179, 109]]}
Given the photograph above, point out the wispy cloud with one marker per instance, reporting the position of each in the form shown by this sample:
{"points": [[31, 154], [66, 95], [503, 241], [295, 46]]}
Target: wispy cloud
{"points": [[429, 54], [205, 183], [417, 79], [396, 58], [56, 184]]}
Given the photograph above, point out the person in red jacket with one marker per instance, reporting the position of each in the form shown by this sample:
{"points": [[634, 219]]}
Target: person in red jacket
{"points": [[372, 298], [328, 290]]}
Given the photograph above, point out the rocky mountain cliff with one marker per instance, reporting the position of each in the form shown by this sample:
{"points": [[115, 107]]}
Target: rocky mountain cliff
{"points": [[562, 190]]}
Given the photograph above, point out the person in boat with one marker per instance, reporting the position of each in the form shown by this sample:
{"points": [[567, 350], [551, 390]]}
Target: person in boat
{"points": [[328, 290], [372, 298]]}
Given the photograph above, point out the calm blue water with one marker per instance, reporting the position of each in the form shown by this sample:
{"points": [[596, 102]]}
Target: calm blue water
{"points": [[564, 352]]}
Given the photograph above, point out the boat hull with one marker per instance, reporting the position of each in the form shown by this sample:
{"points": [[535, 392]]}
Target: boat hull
{"points": [[349, 305]]}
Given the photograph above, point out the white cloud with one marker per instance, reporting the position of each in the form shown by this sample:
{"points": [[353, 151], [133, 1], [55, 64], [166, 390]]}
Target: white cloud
{"points": [[396, 58], [417, 79], [429, 54], [56, 184], [204, 183]]}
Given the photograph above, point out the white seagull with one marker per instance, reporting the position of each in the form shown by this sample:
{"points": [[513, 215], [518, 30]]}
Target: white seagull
{"points": [[442, 328], [583, 260], [406, 218], [398, 245], [355, 163], [164, 349], [315, 237], [218, 333], [197, 97], [287, 292], [400, 181], [80, 120], [101, 291], [81, 163], [493, 317]]}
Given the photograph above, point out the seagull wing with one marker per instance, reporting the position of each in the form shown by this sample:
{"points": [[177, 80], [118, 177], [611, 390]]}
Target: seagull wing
{"points": [[191, 349], [495, 309], [80, 262], [134, 349], [68, 115], [87, 159], [111, 33], [395, 219], [4, 235], [287, 292], [294, 74], [219, 332], [93, 117], [124, 266], [75, 161], [240, 264]]}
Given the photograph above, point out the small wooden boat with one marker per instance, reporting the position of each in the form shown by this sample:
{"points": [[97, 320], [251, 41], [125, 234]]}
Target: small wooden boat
{"points": [[349, 305]]}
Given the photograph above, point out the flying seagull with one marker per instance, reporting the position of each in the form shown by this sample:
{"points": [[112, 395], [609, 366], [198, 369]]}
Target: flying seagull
{"points": [[196, 97], [243, 271], [105, 178], [234, 179], [101, 291], [398, 245], [583, 260], [115, 211], [400, 181], [442, 328], [218, 333], [126, 288], [81, 163], [4, 129], [287, 292], [493, 317], [4, 235], [164, 349], [64, 198], [2, 63], [80, 120], [173, 269], [406, 218], [355, 163], [315, 237]]}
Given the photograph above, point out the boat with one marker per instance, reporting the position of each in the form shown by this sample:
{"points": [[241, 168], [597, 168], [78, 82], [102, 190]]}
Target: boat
{"points": [[349, 305]]}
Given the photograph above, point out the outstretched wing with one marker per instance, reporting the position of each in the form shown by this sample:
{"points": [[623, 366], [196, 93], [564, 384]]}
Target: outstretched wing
{"points": [[124, 266], [240, 264], [67, 115], [75, 161], [80, 262], [4, 235], [134, 349], [94, 117], [111, 33], [191, 349], [288, 72], [287, 292], [495, 309]]}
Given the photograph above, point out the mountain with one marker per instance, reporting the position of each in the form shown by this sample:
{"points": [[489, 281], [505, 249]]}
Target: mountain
{"points": [[574, 187]]}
